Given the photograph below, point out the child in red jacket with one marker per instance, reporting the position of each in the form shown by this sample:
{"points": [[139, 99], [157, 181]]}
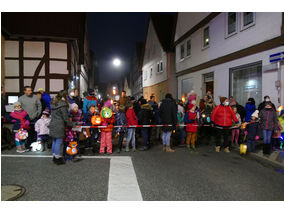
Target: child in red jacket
{"points": [[190, 119], [131, 120], [106, 133]]}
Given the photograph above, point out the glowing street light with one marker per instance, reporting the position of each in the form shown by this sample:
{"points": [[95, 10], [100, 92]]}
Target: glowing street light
{"points": [[116, 62]]}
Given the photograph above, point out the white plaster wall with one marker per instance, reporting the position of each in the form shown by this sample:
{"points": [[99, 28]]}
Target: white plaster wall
{"points": [[58, 50], [11, 67], [153, 54], [12, 85], [267, 26], [30, 67], [221, 76], [27, 82], [33, 49], [11, 49], [56, 85], [58, 67]]}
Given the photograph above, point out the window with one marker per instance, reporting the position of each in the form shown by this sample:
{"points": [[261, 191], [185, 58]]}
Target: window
{"points": [[231, 23], [161, 66], [188, 48], [246, 82], [206, 37], [247, 20], [158, 67], [145, 75], [151, 73], [182, 51]]}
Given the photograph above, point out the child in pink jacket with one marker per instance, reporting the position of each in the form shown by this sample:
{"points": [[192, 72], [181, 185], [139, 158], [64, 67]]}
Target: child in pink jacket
{"points": [[42, 129]]}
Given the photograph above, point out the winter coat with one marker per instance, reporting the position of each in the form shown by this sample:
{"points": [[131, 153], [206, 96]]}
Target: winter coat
{"points": [[31, 105], [131, 117], [20, 119], [88, 101], [47, 99], [59, 119], [121, 121], [208, 109], [261, 106], [223, 116], [87, 118], [123, 101], [241, 110], [108, 122], [190, 119], [42, 126], [268, 119], [43, 105], [78, 102], [281, 120], [250, 108], [136, 107], [145, 115], [239, 119], [168, 114], [76, 116], [253, 130]]}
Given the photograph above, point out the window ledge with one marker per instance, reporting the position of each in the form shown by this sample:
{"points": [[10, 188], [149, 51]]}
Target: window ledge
{"points": [[180, 60], [248, 26], [230, 35], [206, 47], [188, 56]]}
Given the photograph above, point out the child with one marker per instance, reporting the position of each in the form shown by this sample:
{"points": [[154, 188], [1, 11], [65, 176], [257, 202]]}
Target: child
{"points": [[281, 120], [21, 121], [42, 129], [106, 133], [121, 121], [252, 131], [93, 131], [236, 127], [190, 119], [131, 120]]}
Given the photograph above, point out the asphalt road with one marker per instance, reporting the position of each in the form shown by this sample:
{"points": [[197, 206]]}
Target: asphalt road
{"points": [[205, 175]]}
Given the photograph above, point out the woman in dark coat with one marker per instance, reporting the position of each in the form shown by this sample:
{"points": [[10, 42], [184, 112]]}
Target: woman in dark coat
{"points": [[250, 108], [59, 120]]}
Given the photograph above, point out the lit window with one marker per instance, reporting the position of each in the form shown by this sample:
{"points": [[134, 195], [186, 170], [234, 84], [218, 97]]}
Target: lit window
{"points": [[188, 48], [206, 37], [232, 20], [181, 51]]}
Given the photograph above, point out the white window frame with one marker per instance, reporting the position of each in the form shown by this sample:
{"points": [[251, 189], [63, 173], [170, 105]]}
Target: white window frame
{"points": [[182, 58], [188, 56], [161, 66], [249, 25], [208, 45], [227, 28]]}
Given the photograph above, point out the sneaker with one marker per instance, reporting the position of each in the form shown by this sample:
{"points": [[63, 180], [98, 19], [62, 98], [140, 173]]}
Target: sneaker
{"points": [[227, 149], [20, 151], [218, 148], [127, 149], [59, 161]]}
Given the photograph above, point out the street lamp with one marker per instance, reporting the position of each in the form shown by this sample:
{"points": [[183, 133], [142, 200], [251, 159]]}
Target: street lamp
{"points": [[116, 62]]}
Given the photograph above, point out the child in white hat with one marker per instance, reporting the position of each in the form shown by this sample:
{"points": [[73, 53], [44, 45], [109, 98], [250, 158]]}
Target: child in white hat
{"points": [[252, 131]]}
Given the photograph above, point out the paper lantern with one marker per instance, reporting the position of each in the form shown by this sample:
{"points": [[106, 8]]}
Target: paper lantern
{"points": [[72, 148], [106, 112], [96, 120], [36, 146], [21, 134], [243, 149]]}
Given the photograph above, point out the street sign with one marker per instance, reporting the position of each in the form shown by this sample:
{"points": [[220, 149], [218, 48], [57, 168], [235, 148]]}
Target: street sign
{"points": [[276, 57]]}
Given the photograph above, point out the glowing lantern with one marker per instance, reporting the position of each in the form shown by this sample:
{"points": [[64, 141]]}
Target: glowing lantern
{"points": [[72, 148], [279, 109], [96, 120], [106, 112], [183, 99], [243, 149]]}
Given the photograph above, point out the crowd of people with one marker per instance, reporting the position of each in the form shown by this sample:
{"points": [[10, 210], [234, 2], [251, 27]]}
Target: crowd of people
{"points": [[37, 117]]}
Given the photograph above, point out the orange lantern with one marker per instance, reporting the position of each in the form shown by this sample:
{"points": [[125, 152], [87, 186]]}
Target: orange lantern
{"points": [[96, 120], [183, 99], [72, 148]]}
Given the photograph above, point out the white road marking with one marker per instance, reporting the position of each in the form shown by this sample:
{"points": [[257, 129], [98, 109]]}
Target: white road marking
{"points": [[122, 185]]}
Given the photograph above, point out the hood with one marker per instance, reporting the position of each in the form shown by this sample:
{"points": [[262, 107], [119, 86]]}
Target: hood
{"points": [[58, 105], [146, 106]]}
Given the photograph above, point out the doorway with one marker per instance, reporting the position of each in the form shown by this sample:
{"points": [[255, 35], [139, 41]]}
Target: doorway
{"points": [[208, 83]]}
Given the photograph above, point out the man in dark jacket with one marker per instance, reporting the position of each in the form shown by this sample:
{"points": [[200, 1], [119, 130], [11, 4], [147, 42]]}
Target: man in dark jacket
{"points": [[145, 118], [240, 109], [261, 106], [168, 114]]}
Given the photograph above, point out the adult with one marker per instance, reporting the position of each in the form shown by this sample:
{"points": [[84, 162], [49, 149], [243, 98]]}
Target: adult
{"points": [[46, 97], [123, 99], [168, 114], [43, 103], [152, 102], [222, 117], [250, 109], [268, 122], [203, 102], [32, 105], [77, 98], [91, 99], [57, 126], [241, 110], [206, 131], [261, 106]]}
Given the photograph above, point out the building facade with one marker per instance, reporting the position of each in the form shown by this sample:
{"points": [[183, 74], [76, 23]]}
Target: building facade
{"points": [[230, 54], [45, 55], [158, 76]]}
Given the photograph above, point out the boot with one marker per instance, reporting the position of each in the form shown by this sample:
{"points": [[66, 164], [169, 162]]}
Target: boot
{"points": [[59, 161], [19, 149], [218, 148], [168, 149], [164, 148], [188, 146], [227, 149], [193, 148]]}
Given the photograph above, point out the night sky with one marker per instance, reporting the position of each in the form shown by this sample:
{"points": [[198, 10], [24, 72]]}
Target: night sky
{"points": [[114, 35]]}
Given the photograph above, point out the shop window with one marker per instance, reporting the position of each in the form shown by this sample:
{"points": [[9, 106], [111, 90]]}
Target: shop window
{"points": [[246, 82]]}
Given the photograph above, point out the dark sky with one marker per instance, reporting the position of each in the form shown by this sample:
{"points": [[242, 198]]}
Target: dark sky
{"points": [[114, 35]]}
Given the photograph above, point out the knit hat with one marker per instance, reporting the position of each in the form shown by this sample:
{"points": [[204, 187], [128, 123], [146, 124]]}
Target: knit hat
{"points": [[282, 112], [90, 91], [73, 106], [222, 99], [190, 106], [40, 89], [255, 114], [45, 112], [108, 104], [17, 104]]}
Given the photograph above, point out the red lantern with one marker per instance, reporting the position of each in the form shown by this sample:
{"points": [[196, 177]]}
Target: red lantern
{"points": [[96, 120]]}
